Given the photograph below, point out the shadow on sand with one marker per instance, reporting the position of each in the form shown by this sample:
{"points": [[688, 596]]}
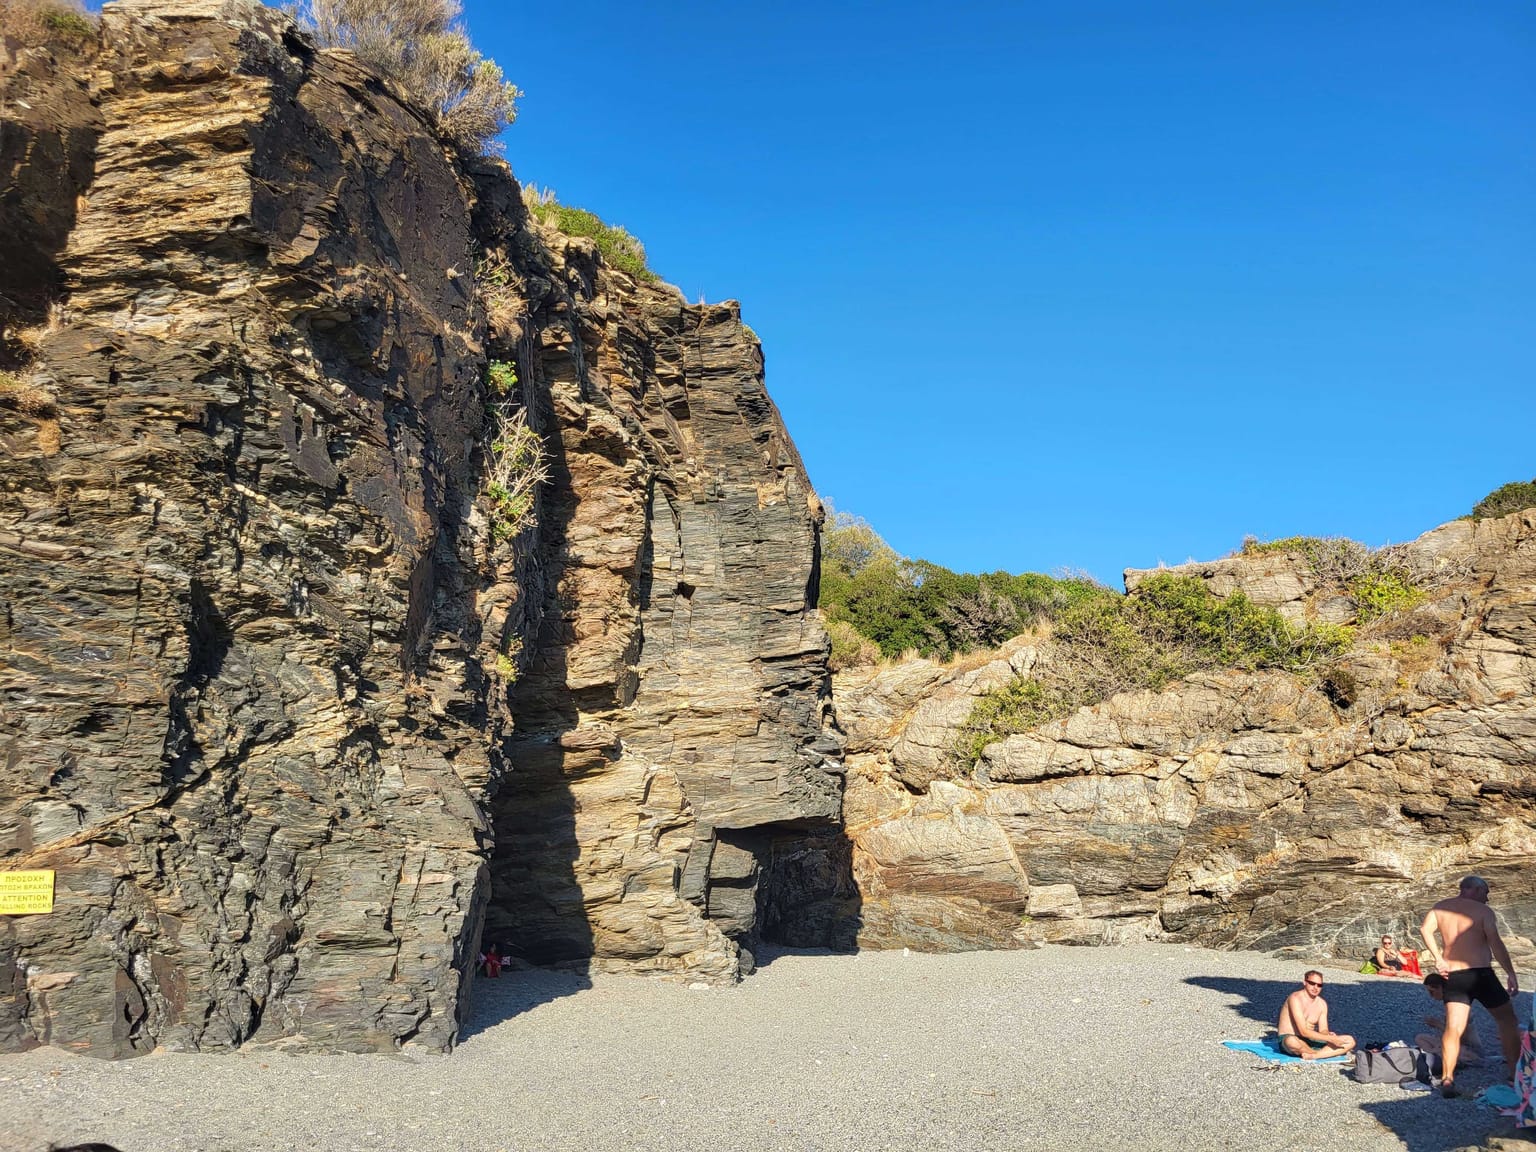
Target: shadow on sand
{"points": [[517, 991]]}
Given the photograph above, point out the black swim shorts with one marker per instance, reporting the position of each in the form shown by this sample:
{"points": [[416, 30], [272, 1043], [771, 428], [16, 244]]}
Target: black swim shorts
{"points": [[1478, 984]]}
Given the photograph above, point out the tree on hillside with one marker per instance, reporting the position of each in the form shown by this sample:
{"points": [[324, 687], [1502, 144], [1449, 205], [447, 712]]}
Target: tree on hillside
{"points": [[421, 45]]}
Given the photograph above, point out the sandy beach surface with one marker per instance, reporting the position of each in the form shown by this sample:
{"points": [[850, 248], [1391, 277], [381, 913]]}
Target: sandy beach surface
{"points": [[1061, 1048]]}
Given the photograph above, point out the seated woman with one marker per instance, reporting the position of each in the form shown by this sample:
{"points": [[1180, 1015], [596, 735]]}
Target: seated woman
{"points": [[1390, 961]]}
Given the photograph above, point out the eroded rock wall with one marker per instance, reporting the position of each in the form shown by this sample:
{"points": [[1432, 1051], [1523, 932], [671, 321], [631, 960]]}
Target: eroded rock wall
{"points": [[1235, 809], [258, 629], [236, 721], [671, 716]]}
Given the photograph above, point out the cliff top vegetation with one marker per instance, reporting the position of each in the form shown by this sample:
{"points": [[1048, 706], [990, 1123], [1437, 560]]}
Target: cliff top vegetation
{"points": [[52, 23], [423, 47], [878, 603], [1515, 496], [619, 248]]}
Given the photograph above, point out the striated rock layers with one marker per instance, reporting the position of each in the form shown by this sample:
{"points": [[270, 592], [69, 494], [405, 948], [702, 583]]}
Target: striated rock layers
{"points": [[1235, 809], [670, 720], [265, 661]]}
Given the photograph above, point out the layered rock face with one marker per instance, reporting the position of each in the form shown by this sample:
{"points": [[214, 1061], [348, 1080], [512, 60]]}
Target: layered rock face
{"points": [[258, 629], [238, 721], [1235, 809], [670, 720]]}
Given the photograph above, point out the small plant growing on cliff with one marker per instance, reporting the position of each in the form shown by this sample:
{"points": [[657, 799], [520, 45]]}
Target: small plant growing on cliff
{"points": [[850, 649], [422, 46], [506, 663], [1377, 594], [16, 393], [500, 380], [56, 23], [619, 249], [517, 466], [1507, 498], [501, 291]]}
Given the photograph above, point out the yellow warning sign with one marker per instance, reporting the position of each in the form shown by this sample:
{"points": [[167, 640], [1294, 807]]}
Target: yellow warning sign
{"points": [[26, 893]]}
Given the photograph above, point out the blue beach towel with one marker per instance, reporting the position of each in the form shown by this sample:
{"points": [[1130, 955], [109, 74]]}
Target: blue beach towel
{"points": [[1269, 1049]]}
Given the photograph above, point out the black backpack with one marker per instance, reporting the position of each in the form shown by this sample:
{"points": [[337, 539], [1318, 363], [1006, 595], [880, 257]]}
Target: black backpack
{"points": [[1391, 1065]]}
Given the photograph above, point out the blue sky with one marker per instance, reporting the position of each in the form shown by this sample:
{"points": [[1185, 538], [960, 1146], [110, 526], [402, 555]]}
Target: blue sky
{"points": [[1078, 283]]}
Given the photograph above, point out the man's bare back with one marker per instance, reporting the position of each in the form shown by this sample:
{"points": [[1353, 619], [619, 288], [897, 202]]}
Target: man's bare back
{"points": [[1465, 928]]}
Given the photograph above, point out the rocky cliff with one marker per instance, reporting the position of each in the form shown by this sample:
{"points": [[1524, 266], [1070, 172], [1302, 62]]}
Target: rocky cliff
{"points": [[279, 705], [1253, 810], [300, 718]]}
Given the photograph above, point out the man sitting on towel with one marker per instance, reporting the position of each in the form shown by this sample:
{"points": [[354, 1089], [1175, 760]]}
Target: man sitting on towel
{"points": [[1303, 1025]]}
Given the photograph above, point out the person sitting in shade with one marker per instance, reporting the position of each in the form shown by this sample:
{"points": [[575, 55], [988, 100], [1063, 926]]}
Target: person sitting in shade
{"points": [[1391, 961], [491, 962], [1471, 1046], [1303, 1025]]}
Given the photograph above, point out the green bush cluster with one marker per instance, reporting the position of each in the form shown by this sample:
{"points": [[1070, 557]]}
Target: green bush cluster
{"points": [[56, 23], [1307, 545], [912, 605], [74, 28], [1513, 497], [1377, 580], [619, 248], [1378, 594], [1170, 627], [500, 379]]}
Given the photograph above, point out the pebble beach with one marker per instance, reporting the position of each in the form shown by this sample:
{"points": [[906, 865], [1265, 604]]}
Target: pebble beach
{"points": [[1060, 1048]]}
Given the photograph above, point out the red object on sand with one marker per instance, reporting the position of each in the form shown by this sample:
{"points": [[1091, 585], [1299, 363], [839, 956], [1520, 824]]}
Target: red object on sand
{"points": [[1410, 961]]}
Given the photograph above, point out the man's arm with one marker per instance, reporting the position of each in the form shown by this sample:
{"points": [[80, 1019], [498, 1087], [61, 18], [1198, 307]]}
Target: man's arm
{"points": [[1304, 1027], [1322, 1026], [1428, 930], [1500, 952]]}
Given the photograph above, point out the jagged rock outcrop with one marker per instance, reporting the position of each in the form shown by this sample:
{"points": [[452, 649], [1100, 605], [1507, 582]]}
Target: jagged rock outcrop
{"points": [[258, 627], [1235, 809]]}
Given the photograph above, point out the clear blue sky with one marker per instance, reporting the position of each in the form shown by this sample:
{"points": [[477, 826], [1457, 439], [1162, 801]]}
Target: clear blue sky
{"points": [[1083, 283]]}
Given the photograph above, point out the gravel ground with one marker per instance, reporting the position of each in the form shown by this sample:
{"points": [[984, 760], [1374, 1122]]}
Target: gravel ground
{"points": [[1110, 1048]]}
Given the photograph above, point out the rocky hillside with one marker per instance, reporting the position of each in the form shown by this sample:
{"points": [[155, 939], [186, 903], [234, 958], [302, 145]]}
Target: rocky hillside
{"points": [[270, 657], [1244, 809]]}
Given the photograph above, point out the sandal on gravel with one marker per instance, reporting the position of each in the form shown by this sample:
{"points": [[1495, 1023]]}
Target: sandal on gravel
{"points": [[1448, 1089]]}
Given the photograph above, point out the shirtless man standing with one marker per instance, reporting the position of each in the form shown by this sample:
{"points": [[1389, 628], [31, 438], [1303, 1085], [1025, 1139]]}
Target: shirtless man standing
{"points": [[1303, 1025], [1470, 932]]}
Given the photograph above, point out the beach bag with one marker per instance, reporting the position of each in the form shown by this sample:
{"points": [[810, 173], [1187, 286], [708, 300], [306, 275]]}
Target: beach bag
{"points": [[1369, 968], [1390, 1065]]}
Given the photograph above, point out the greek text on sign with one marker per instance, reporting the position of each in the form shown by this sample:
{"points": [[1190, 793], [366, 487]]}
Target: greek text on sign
{"points": [[26, 893]]}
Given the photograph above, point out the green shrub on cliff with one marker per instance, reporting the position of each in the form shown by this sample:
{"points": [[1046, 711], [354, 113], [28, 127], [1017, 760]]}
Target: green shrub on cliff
{"points": [[55, 23], [422, 46], [1378, 594], [1377, 580], [516, 465], [913, 605], [619, 248], [1170, 627], [1513, 497]]}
